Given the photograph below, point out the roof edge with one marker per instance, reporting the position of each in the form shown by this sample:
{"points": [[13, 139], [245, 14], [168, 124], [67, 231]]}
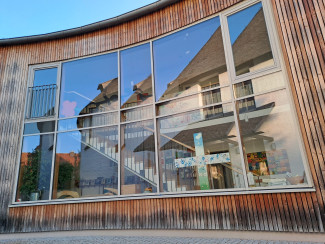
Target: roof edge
{"points": [[137, 13]]}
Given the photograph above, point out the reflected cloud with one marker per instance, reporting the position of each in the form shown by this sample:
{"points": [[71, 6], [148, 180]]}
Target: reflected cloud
{"points": [[68, 108]]}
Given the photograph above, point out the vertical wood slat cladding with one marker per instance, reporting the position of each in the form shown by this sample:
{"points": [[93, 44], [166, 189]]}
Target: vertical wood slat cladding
{"points": [[301, 25]]}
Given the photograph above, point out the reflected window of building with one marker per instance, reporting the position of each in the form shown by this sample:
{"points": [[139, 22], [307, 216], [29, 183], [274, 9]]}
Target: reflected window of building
{"points": [[270, 141], [250, 40], [260, 84], [189, 61], [195, 101], [199, 151], [86, 163], [35, 168], [145, 112], [88, 121], [138, 165], [42, 94], [89, 85], [136, 83]]}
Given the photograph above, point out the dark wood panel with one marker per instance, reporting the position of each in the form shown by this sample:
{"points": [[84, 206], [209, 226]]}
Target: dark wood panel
{"points": [[302, 34], [139, 214]]}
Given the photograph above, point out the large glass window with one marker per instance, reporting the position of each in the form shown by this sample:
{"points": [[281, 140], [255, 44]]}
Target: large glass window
{"points": [[138, 171], [136, 83], [89, 85], [86, 163], [249, 40], [190, 61], [35, 168], [41, 95], [271, 145], [199, 150], [187, 126]]}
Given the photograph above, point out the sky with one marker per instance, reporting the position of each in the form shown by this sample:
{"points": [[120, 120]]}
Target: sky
{"points": [[24, 18], [239, 21], [173, 53]]}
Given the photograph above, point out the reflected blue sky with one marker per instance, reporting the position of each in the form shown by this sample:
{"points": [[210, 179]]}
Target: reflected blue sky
{"points": [[239, 21], [174, 52], [68, 142], [45, 77], [67, 124], [80, 80], [30, 143], [135, 67]]}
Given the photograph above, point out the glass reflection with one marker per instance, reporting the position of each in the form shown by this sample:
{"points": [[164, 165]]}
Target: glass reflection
{"points": [[45, 77], [270, 141], [259, 85], [39, 127], [194, 101], [137, 114], [86, 163], [249, 39], [42, 95], [136, 84], [138, 171], [35, 168], [190, 60], [199, 150], [88, 121], [89, 85]]}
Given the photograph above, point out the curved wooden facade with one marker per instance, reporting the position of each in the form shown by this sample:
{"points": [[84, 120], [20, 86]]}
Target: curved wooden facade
{"points": [[301, 27]]}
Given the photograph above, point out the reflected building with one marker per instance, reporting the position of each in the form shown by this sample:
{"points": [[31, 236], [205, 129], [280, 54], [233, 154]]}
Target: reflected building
{"points": [[106, 100]]}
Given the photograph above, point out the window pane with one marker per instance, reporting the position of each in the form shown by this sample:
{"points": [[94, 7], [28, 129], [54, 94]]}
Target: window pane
{"points": [[249, 39], [45, 77], [39, 127], [89, 85], [88, 121], [194, 101], [270, 141], [259, 85], [86, 163], [136, 84], [41, 96], [35, 168], [190, 60], [199, 151], [137, 114], [138, 171]]}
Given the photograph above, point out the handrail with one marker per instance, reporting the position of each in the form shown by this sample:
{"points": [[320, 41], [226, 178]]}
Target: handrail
{"points": [[40, 101], [115, 161]]}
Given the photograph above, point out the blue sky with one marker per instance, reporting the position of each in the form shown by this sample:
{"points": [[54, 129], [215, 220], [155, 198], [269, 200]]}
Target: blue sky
{"points": [[24, 18], [170, 62], [239, 21]]}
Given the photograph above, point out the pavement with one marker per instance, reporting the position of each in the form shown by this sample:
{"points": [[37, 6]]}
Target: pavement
{"points": [[161, 236]]}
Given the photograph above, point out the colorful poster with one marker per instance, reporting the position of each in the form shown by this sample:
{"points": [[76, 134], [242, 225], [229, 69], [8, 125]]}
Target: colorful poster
{"points": [[202, 170], [203, 177], [269, 163], [198, 143], [218, 158]]}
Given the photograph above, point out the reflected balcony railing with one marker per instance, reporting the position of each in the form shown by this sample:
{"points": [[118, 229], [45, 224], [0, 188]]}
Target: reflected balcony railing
{"points": [[40, 101]]}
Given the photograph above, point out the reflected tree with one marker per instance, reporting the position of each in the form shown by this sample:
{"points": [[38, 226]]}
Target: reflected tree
{"points": [[35, 174]]}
